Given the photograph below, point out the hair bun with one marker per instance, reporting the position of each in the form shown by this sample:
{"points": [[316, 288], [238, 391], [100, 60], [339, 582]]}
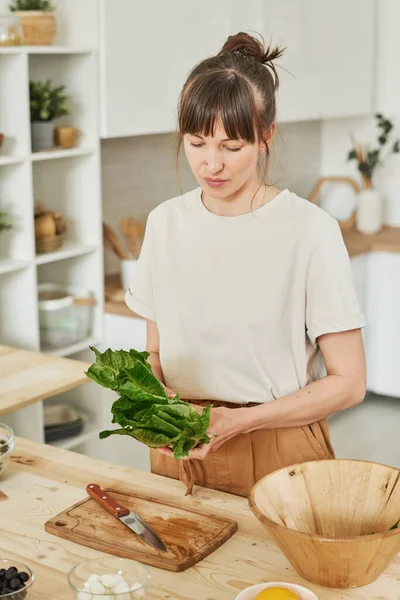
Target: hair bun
{"points": [[247, 45]]}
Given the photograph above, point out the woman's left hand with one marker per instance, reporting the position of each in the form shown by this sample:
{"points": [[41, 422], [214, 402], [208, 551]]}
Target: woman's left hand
{"points": [[225, 423]]}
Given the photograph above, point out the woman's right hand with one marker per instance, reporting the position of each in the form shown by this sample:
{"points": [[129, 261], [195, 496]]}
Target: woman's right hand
{"points": [[170, 393]]}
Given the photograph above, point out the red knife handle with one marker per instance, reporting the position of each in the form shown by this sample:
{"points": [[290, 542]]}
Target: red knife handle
{"points": [[106, 501]]}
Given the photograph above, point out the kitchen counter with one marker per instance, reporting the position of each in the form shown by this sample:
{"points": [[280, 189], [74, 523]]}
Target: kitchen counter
{"points": [[386, 240], [28, 377], [41, 481]]}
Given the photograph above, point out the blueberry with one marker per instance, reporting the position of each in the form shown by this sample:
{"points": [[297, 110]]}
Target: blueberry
{"points": [[22, 576], [8, 576], [2, 573], [5, 590], [16, 584]]}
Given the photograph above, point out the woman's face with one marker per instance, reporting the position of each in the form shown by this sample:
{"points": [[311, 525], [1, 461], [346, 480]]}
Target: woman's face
{"points": [[222, 166]]}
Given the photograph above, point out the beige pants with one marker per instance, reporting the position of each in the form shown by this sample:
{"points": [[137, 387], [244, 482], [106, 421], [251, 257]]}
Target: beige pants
{"points": [[242, 461]]}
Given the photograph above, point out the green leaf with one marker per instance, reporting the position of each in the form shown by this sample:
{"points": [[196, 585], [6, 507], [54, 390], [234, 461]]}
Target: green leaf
{"points": [[138, 383], [107, 433], [395, 526], [158, 424], [153, 439], [352, 155], [106, 370]]}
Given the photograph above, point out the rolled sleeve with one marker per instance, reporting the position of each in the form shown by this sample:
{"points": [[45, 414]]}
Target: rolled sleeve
{"points": [[140, 297], [331, 300]]}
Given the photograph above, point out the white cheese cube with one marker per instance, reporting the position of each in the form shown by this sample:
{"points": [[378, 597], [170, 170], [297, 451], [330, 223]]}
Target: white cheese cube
{"points": [[97, 588], [108, 581]]}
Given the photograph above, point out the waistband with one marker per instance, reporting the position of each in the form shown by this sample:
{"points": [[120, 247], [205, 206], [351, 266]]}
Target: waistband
{"points": [[221, 403]]}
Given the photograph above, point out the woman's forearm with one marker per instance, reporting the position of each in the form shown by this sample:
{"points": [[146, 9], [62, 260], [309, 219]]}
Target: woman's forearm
{"points": [[154, 360], [314, 402]]}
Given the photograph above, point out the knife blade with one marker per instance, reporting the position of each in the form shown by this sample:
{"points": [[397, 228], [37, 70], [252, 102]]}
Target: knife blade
{"points": [[128, 518]]}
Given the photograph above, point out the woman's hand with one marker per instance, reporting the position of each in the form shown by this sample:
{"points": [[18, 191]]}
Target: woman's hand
{"points": [[170, 393], [225, 423]]}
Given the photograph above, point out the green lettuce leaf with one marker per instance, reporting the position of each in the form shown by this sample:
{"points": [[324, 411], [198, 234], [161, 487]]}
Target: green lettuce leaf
{"points": [[143, 410]]}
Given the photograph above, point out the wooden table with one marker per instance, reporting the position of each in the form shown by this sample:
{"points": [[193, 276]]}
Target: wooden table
{"points": [[28, 377], [44, 480]]}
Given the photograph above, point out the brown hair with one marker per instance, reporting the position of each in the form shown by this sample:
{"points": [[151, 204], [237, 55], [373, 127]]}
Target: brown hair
{"points": [[238, 86]]}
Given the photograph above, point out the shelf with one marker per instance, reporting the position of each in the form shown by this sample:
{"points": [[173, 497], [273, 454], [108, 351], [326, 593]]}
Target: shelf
{"points": [[88, 433], [69, 250], [11, 160], [8, 265], [72, 348], [54, 154], [45, 50]]}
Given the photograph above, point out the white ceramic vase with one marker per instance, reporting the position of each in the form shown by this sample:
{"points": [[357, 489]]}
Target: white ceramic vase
{"points": [[127, 270], [369, 216]]}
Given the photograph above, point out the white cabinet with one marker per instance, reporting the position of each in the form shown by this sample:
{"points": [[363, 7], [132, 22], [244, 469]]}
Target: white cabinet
{"points": [[329, 61], [383, 314], [148, 49]]}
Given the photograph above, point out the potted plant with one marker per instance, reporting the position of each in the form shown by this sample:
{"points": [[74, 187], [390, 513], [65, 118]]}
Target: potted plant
{"points": [[5, 222], [369, 216], [47, 102], [37, 19]]}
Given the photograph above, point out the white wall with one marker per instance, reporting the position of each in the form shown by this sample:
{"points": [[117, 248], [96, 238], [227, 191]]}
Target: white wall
{"points": [[335, 141]]}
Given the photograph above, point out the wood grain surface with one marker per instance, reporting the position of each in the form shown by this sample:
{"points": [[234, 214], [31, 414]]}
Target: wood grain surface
{"points": [[189, 536], [28, 377], [44, 480]]}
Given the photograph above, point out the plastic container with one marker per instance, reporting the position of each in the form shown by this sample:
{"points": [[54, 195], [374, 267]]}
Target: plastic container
{"points": [[135, 575], [6, 563], [11, 33], [6, 446], [65, 315]]}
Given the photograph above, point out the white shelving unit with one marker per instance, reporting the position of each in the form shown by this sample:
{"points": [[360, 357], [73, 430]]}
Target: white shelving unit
{"points": [[68, 181]]}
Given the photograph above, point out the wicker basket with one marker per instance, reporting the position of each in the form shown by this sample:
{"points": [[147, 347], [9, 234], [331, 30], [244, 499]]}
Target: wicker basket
{"points": [[49, 244], [39, 27]]}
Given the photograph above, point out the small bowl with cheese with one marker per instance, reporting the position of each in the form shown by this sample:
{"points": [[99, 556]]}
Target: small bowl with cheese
{"points": [[109, 578]]}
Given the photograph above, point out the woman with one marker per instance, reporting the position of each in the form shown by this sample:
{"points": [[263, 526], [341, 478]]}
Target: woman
{"points": [[245, 288]]}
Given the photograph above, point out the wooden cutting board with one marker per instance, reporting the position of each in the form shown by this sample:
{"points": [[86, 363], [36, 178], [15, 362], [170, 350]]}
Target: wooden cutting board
{"points": [[188, 535]]}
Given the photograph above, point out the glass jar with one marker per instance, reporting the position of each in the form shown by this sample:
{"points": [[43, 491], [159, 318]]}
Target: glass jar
{"points": [[11, 33]]}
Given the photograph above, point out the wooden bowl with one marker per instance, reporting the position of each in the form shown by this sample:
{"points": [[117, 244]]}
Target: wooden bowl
{"points": [[322, 514]]}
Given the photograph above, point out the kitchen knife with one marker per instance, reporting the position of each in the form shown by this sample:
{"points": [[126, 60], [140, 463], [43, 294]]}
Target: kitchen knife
{"points": [[130, 519]]}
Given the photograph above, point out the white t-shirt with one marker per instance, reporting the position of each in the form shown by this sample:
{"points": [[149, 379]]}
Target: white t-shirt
{"points": [[239, 301]]}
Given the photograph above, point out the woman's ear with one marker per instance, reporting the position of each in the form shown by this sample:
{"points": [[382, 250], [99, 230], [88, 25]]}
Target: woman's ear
{"points": [[268, 137]]}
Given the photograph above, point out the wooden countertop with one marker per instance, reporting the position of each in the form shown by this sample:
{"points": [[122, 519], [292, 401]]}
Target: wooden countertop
{"points": [[387, 240], [114, 298], [41, 481], [27, 377]]}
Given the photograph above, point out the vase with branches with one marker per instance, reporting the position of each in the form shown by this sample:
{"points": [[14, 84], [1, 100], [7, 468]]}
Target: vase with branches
{"points": [[369, 217]]}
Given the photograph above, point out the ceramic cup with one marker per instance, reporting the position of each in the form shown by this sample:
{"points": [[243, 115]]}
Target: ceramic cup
{"points": [[66, 137], [251, 592], [127, 270]]}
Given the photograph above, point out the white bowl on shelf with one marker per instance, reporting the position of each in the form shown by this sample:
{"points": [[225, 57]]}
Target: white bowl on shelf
{"points": [[251, 592]]}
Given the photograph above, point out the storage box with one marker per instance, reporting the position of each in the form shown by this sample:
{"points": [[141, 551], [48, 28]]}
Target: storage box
{"points": [[65, 315]]}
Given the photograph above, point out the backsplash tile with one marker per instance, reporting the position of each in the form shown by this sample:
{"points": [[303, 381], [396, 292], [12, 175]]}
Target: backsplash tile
{"points": [[139, 172]]}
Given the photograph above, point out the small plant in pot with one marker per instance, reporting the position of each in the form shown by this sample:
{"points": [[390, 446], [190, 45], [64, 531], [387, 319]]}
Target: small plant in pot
{"points": [[5, 221], [38, 21], [47, 102], [369, 216]]}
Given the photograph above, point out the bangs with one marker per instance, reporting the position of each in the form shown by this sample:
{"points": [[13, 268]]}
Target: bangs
{"points": [[220, 97]]}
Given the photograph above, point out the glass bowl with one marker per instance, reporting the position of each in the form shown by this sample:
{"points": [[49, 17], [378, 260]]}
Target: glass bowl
{"points": [[6, 563], [6, 446], [131, 579], [11, 32]]}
